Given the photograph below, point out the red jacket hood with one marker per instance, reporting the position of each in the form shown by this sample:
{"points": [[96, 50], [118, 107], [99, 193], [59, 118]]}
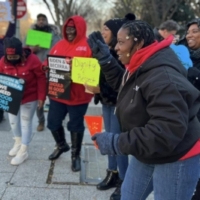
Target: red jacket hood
{"points": [[81, 28], [77, 48], [143, 54]]}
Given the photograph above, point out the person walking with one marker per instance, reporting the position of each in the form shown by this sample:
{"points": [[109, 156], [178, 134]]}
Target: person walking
{"points": [[9, 33], [24, 64]]}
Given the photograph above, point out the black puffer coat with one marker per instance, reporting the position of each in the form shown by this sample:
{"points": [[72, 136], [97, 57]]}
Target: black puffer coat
{"points": [[156, 109]]}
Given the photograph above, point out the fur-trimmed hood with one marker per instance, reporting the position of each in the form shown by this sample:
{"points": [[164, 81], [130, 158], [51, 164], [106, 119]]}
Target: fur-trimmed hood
{"points": [[55, 29]]}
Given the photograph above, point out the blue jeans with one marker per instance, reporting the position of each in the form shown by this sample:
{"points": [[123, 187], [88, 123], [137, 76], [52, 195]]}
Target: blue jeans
{"points": [[21, 124], [112, 125], [170, 181], [58, 111]]}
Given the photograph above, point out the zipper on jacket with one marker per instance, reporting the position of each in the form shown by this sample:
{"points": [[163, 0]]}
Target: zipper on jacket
{"points": [[123, 83]]}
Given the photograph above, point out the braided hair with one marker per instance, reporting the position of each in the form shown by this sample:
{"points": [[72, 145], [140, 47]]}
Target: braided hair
{"points": [[140, 31]]}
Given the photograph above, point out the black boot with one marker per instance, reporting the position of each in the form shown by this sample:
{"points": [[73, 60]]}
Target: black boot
{"points": [[197, 192], [61, 144], [1, 115], [110, 181], [116, 195], [76, 139]]}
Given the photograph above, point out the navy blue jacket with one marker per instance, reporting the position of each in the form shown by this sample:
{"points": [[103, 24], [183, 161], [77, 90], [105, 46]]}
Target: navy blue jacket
{"points": [[9, 33]]}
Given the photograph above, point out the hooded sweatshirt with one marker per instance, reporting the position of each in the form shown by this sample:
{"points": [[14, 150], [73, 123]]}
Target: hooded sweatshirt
{"points": [[77, 48]]}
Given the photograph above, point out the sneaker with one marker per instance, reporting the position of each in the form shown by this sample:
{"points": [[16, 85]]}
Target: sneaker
{"points": [[21, 156], [16, 147]]}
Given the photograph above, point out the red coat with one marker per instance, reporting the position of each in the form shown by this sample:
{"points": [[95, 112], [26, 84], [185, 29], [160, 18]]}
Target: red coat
{"points": [[30, 71], [79, 48]]}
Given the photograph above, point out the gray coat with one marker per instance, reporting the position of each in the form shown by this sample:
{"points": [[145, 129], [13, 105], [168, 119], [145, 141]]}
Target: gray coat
{"points": [[42, 54]]}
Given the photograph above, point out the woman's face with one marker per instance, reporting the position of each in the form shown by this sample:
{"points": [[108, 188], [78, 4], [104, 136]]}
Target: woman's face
{"points": [[124, 46], [193, 37], [13, 57], [106, 34], [71, 33]]}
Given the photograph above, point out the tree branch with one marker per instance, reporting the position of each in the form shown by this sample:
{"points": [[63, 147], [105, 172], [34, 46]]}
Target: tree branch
{"points": [[49, 8]]}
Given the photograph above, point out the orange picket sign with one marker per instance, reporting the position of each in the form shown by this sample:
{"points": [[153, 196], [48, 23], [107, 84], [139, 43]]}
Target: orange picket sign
{"points": [[94, 124]]}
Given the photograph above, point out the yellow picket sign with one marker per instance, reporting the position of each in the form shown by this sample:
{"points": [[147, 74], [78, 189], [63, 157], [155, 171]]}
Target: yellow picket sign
{"points": [[85, 71]]}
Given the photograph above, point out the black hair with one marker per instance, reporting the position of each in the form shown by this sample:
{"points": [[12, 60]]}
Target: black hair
{"points": [[194, 21], [113, 42], [169, 25], [140, 31], [42, 15], [183, 40]]}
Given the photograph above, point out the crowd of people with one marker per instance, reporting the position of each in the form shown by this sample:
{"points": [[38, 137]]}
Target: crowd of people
{"points": [[149, 91]]}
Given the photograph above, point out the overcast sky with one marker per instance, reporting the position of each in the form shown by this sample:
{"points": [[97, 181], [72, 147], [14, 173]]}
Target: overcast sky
{"points": [[35, 8]]}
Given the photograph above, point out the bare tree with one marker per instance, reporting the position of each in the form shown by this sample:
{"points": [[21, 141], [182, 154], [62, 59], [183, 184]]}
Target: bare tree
{"points": [[158, 11], [122, 7], [153, 11], [195, 4], [60, 10]]}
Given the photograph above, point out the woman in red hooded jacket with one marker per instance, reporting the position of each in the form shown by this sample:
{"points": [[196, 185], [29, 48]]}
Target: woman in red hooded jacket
{"points": [[24, 64], [73, 44]]}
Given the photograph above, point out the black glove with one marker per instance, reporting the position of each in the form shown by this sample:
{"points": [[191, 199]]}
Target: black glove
{"points": [[97, 98], [100, 50], [194, 73], [107, 143]]}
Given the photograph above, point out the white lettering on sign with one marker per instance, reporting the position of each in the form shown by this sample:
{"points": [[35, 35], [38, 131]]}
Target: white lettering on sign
{"points": [[58, 64]]}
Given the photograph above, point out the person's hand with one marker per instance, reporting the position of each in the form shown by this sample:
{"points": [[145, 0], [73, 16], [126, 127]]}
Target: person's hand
{"points": [[40, 104], [100, 50], [35, 49], [45, 68], [194, 73], [107, 143], [92, 89]]}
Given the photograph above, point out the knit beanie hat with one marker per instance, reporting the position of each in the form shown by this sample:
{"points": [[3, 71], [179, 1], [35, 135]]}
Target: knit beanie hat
{"points": [[115, 24], [12, 46]]}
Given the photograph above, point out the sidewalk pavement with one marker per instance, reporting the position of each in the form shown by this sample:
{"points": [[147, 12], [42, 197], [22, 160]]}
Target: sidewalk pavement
{"points": [[40, 179]]}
